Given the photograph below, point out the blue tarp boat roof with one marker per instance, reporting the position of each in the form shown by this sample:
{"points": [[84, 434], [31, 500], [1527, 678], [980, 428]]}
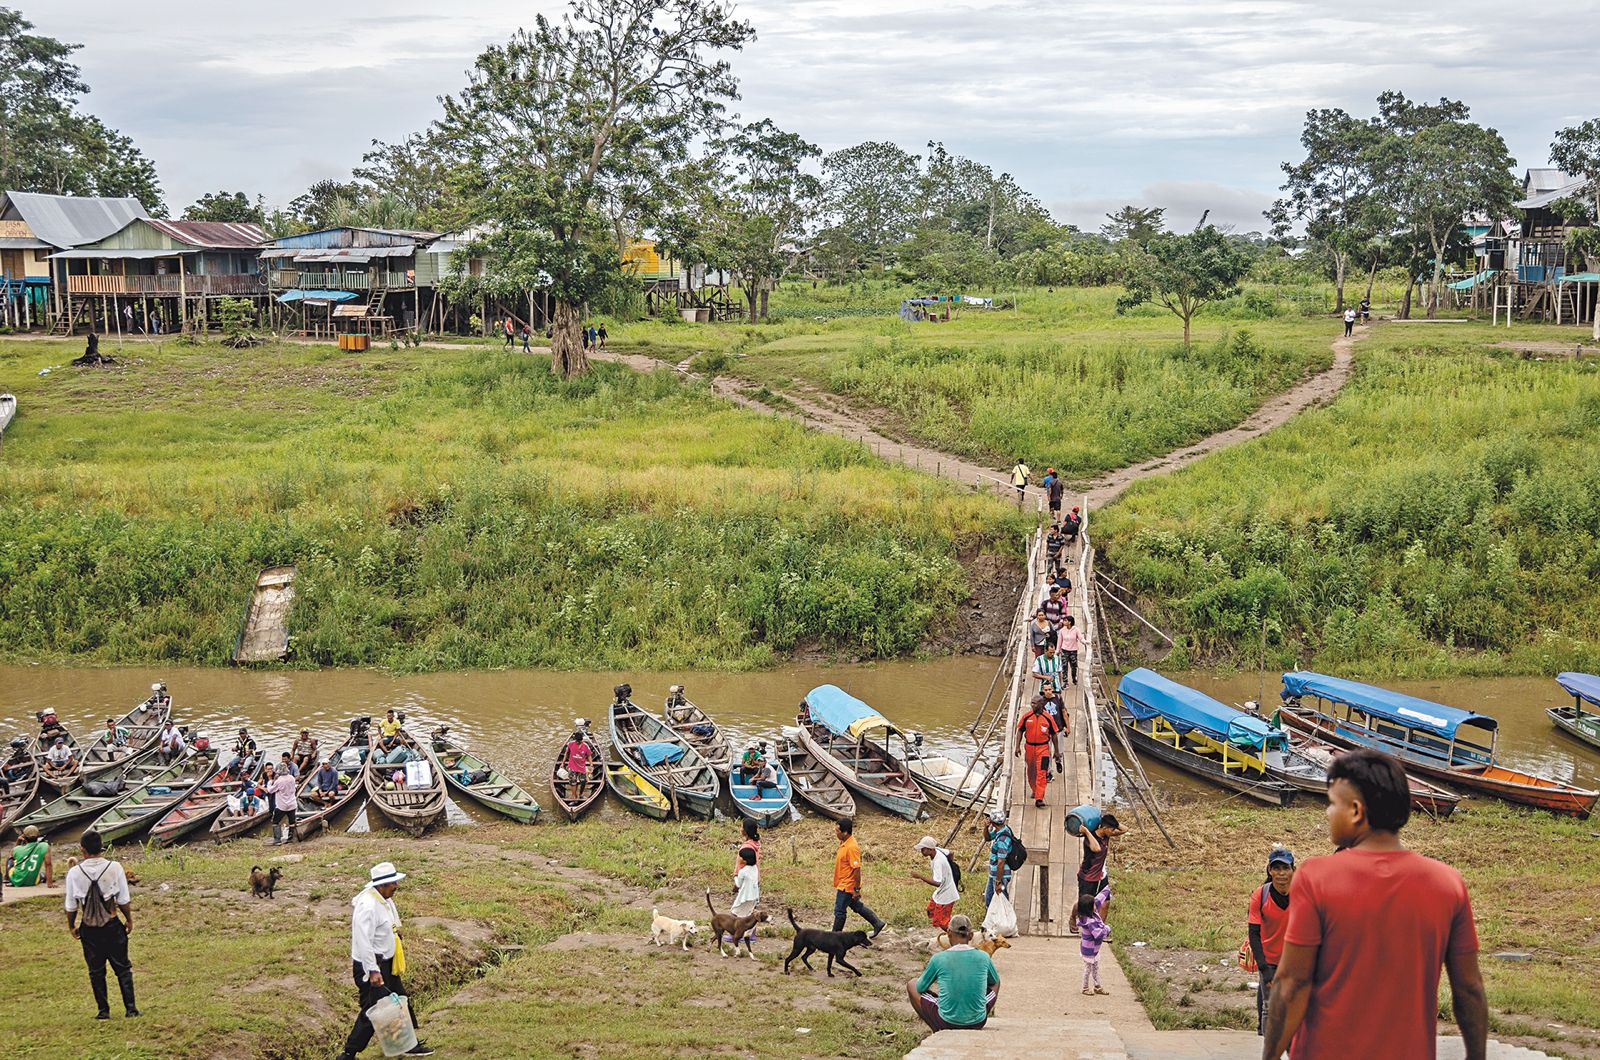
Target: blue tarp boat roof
{"points": [[295, 294], [1397, 707], [1584, 686], [841, 712], [1146, 694]]}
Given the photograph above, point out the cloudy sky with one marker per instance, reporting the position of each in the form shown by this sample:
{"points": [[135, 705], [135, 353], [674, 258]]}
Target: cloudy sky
{"points": [[1176, 103]]}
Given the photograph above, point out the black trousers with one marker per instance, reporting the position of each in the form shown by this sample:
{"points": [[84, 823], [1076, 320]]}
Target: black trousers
{"points": [[103, 944], [369, 995]]}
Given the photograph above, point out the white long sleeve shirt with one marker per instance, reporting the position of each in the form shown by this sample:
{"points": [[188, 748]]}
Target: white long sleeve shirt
{"points": [[373, 919]]}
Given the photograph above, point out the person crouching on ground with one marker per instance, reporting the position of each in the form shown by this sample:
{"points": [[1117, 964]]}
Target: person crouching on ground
{"points": [[1266, 920], [942, 881], [377, 957], [968, 984], [1092, 934]]}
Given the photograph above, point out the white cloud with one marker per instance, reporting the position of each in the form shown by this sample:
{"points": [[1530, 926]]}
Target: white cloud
{"points": [[1087, 102]]}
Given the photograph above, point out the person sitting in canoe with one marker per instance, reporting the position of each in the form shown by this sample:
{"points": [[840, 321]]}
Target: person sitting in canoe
{"points": [[242, 762], [325, 787], [388, 734], [30, 863], [750, 763], [249, 799], [17, 765], [172, 745], [59, 758], [304, 753], [49, 728], [114, 735], [575, 759]]}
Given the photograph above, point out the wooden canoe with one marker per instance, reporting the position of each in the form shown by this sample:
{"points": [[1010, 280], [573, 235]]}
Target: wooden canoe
{"points": [[1578, 723], [637, 792], [695, 727], [411, 809], [951, 779], [197, 810], [1425, 796], [8, 411], [498, 793], [771, 806], [142, 808], [686, 780], [17, 793], [1178, 752], [58, 780], [866, 767], [264, 633], [575, 797], [350, 759], [815, 786], [143, 723], [80, 803]]}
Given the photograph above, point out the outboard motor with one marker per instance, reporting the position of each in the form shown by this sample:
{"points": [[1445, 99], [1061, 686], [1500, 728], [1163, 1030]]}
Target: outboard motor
{"points": [[359, 727], [623, 692]]}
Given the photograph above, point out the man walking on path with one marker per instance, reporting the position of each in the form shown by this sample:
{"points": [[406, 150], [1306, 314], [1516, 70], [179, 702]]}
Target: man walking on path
{"points": [[1369, 927], [942, 880], [1054, 488], [968, 982], [377, 957], [1019, 480], [1037, 733], [97, 890], [999, 836], [847, 880]]}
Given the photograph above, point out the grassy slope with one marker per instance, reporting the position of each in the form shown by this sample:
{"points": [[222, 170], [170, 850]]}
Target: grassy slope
{"points": [[453, 509], [1443, 515], [1062, 380]]}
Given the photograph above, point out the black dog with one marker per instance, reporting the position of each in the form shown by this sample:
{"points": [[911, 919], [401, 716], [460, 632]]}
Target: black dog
{"points": [[834, 943], [262, 883]]}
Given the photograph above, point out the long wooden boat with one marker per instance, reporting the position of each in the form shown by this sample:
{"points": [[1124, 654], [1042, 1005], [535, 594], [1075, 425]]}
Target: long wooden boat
{"points": [[1440, 742], [197, 810], [352, 760], [818, 788], [264, 632], [495, 791], [838, 730], [58, 779], [645, 742], [637, 792], [1189, 730], [695, 727], [576, 796], [950, 778], [17, 792], [413, 809], [143, 724], [768, 808], [96, 796], [142, 808], [1575, 721], [1425, 795]]}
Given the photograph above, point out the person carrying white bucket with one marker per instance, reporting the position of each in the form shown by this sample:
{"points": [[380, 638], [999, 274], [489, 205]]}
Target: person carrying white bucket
{"points": [[377, 959]]}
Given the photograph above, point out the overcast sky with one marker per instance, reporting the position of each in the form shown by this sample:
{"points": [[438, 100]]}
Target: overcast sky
{"points": [[1176, 103]]}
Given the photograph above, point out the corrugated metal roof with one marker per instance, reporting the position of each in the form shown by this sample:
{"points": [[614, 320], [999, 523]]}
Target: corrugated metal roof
{"points": [[1541, 180], [336, 238], [71, 220], [100, 253], [22, 243], [1545, 198], [215, 234], [356, 254]]}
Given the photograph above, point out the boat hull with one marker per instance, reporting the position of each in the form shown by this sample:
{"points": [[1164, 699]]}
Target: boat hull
{"points": [[625, 784], [770, 810], [459, 757], [816, 739], [594, 787], [690, 783], [813, 784], [1270, 792], [412, 810], [1579, 724]]}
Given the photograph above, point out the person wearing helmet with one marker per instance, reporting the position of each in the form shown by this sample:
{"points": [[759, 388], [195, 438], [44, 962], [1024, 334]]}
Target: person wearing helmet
{"points": [[999, 836]]}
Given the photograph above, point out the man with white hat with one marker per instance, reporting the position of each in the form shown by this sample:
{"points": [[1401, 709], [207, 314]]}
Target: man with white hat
{"points": [[377, 957], [943, 882]]}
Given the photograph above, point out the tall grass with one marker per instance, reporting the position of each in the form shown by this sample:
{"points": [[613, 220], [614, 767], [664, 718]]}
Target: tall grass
{"points": [[1443, 514], [458, 509]]}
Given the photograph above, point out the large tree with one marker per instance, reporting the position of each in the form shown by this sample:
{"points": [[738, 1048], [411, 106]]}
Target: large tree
{"points": [[1135, 224], [412, 175], [557, 115], [1330, 190], [958, 194], [871, 195], [1576, 149], [328, 203], [226, 206], [1184, 272]]}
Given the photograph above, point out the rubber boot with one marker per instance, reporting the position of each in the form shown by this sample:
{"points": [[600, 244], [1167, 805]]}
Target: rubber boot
{"points": [[102, 998], [125, 984]]}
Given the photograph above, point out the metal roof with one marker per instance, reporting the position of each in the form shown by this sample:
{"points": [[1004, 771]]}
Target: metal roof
{"points": [[348, 237], [1539, 180], [71, 220], [216, 235], [22, 243], [1545, 198], [100, 253]]}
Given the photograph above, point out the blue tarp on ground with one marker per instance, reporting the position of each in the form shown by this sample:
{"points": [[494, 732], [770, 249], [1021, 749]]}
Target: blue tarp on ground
{"points": [[1146, 694], [296, 294], [1584, 686], [1397, 707], [655, 754]]}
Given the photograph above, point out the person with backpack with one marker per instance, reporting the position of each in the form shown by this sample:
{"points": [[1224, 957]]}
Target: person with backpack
{"points": [[97, 890], [1267, 920], [945, 881], [1006, 855]]}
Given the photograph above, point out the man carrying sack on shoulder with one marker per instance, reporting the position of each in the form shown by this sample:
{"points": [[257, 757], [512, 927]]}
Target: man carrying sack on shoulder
{"points": [[377, 957]]}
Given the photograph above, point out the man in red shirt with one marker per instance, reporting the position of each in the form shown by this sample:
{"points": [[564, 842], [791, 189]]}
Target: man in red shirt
{"points": [[1036, 731], [1266, 919], [1369, 927]]}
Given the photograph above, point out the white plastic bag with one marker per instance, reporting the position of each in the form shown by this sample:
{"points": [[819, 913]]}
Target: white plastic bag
{"points": [[391, 1025], [1002, 916]]}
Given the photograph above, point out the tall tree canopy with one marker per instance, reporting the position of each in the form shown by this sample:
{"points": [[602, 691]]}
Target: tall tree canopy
{"points": [[1135, 224], [1576, 149], [871, 195], [1184, 272], [46, 143], [555, 117], [226, 206], [1330, 190]]}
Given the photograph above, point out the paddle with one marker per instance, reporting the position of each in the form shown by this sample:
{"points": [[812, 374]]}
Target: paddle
{"points": [[359, 825]]}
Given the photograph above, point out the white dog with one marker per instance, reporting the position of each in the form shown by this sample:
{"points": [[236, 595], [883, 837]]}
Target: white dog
{"points": [[666, 931]]}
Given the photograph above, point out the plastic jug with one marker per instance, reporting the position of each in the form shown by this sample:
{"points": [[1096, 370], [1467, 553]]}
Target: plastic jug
{"points": [[391, 1025], [1080, 816]]}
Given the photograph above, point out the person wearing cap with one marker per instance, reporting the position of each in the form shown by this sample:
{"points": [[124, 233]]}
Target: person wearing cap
{"points": [[968, 984], [30, 860], [1071, 525], [325, 785], [750, 764], [243, 761], [60, 755], [304, 753], [1267, 919], [279, 788], [942, 880], [377, 957], [999, 836]]}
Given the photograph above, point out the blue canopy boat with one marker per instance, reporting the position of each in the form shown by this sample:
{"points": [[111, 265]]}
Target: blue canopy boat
{"points": [[1574, 720], [1439, 741], [843, 734], [1189, 730]]}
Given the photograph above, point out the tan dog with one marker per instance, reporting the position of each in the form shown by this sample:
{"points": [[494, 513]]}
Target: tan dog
{"points": [[988, 944], [665, 931]]}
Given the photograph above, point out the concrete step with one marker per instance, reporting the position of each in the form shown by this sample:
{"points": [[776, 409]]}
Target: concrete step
{"points": [[1008, 1039]]}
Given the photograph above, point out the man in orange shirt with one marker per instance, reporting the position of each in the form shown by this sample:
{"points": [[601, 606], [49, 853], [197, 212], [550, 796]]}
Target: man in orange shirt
{"points": [[1369, 927], [1037, 732], [847, 880]]}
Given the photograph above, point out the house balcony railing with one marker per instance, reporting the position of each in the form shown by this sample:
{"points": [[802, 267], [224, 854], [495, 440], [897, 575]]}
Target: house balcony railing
{"points": [[167, 285], [338, 280]]}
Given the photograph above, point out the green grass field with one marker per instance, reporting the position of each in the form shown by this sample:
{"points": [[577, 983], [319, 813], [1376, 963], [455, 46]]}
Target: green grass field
{"points": [[1442, 515], [453, 509]]}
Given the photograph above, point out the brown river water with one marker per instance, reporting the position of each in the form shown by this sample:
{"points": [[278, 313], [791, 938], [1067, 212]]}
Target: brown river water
{"points": [[517, 719]]}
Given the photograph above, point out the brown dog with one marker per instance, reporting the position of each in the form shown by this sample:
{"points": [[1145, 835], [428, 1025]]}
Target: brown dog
{"points": [[988, 944], [262, 883], [739, 930]]}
